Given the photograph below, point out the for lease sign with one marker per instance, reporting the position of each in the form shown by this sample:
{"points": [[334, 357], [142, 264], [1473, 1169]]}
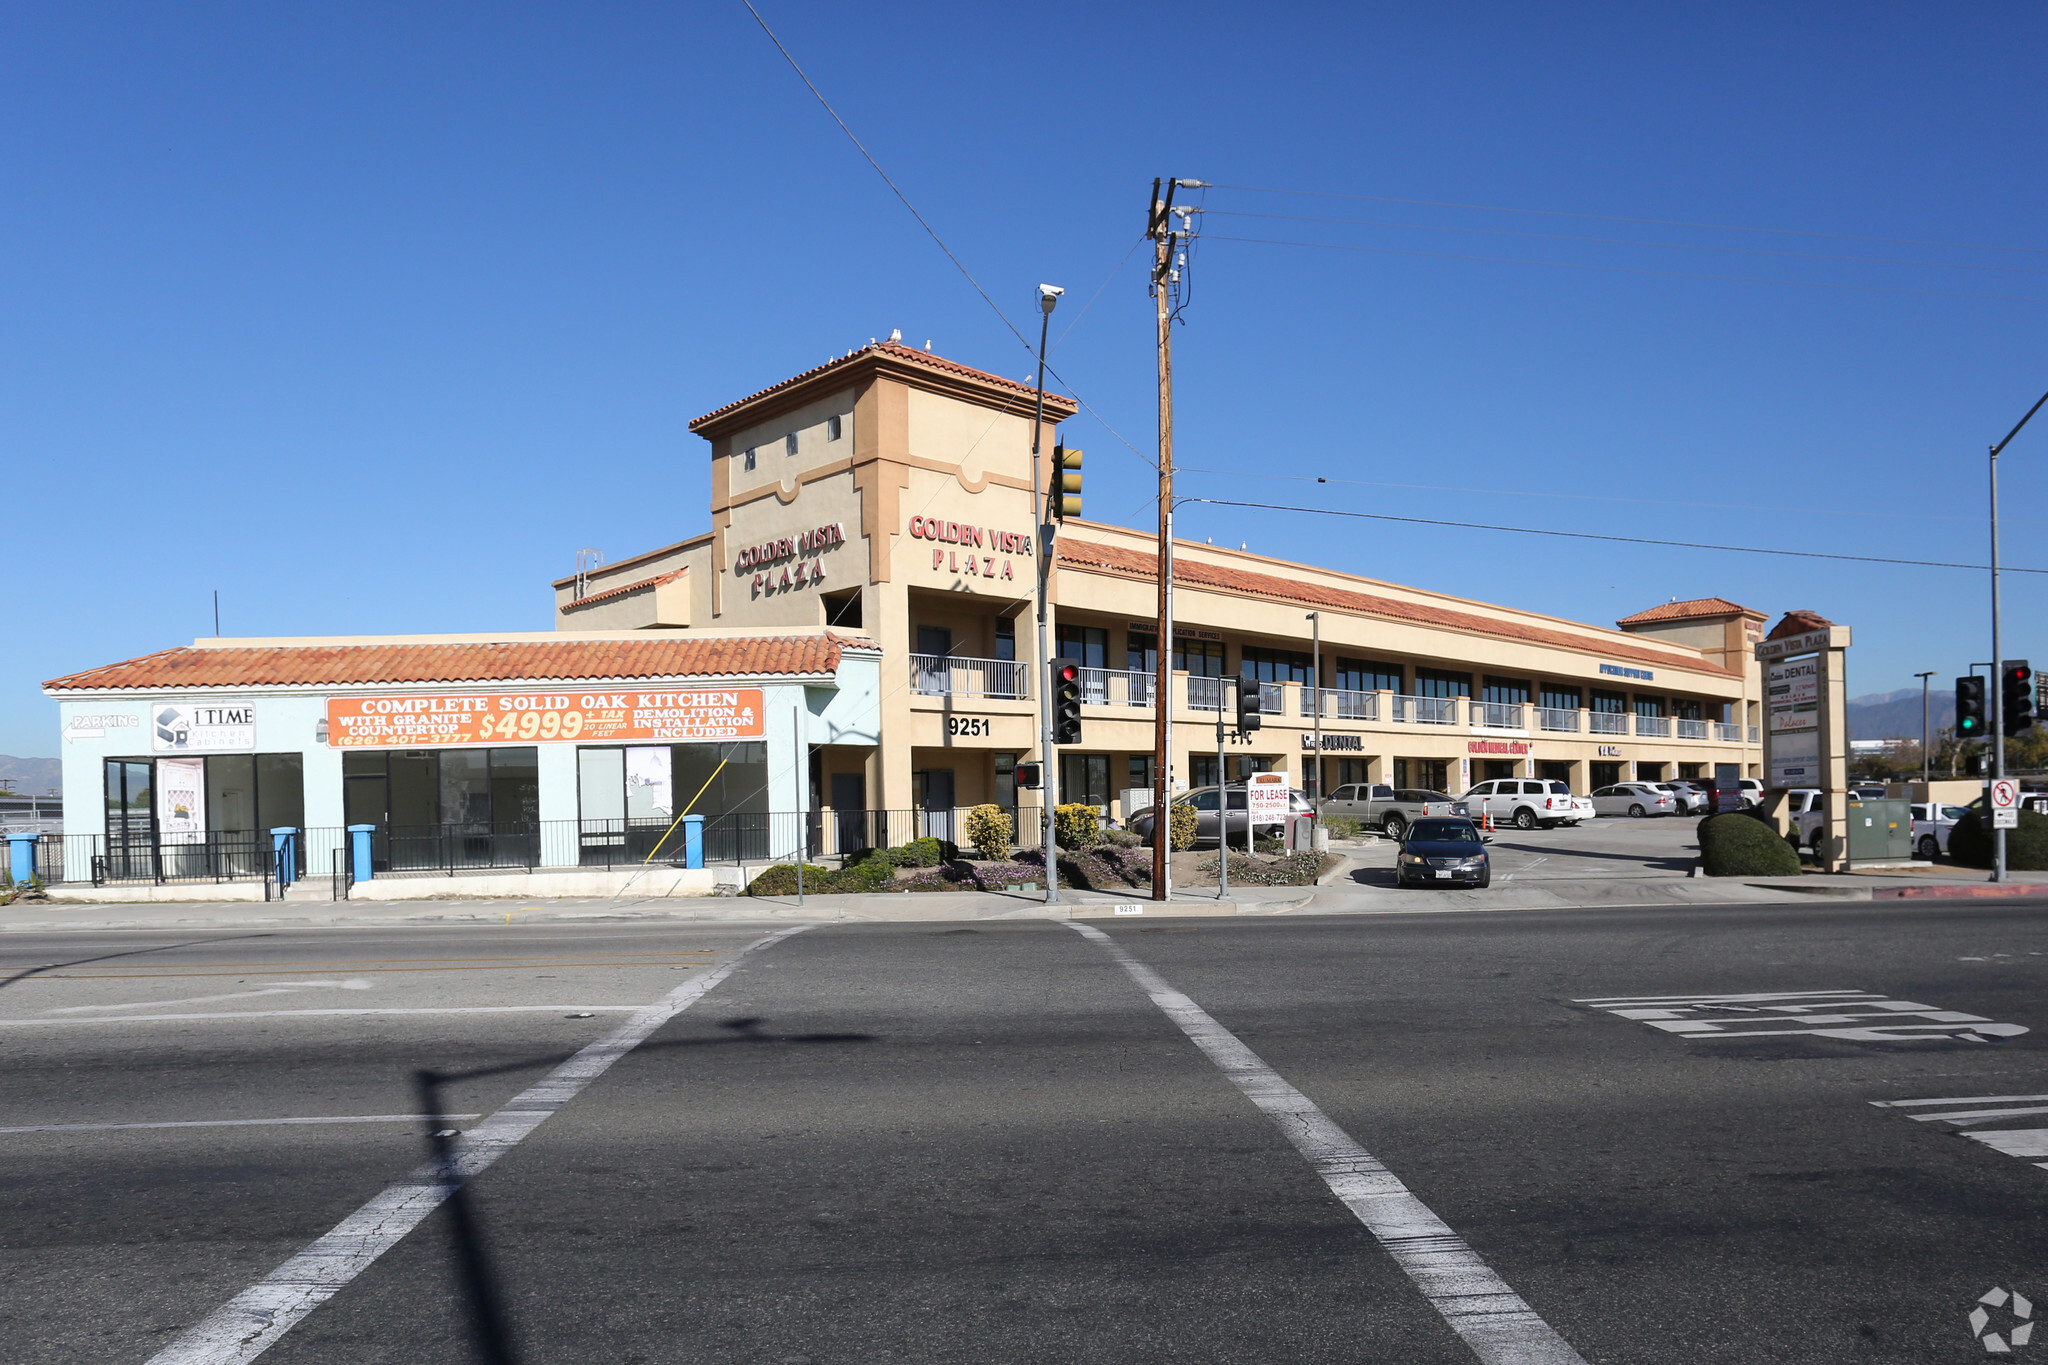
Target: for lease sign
{"points": [[612, 715]]}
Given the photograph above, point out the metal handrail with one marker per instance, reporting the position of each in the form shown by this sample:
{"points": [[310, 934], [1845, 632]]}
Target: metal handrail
{"points": [[1692, 729], [1497, 715], [1426, 710], [1205, 694], [948, 675], [1607, 722], [1729, 733], [1116, 687], [1341, 703], [1553, 718], [1655, 726]]}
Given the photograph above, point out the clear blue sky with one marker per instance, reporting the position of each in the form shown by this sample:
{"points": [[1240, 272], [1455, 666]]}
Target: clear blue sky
{"points": [[371, 315]]}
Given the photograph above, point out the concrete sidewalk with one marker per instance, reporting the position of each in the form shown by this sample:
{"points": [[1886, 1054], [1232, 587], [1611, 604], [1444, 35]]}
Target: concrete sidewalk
{"points": [[1345, 898]]}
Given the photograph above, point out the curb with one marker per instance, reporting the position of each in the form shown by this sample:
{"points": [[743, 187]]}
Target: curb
{"points": [[1989, 891]]}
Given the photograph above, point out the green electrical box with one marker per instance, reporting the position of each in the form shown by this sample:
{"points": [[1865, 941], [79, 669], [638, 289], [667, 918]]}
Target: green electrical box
{"points": [[1880, 831]]}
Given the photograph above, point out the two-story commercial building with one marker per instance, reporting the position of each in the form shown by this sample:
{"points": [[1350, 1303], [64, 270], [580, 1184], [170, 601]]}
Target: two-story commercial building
{"points": [[889, 492]]}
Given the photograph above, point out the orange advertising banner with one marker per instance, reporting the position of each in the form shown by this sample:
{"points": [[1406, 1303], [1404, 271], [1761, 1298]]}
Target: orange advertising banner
{"points": [[629, 716]]}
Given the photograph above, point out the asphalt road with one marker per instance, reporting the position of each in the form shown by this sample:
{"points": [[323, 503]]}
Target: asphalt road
{"points": [[933, 1142]]}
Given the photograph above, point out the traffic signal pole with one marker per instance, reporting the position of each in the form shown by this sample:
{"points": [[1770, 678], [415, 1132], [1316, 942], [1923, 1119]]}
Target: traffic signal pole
{"points": [[1048, 766], [1998, 873]]}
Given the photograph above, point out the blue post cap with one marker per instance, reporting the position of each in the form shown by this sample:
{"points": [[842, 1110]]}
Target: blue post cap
{"points": [[23, 838], [693, 819], [359, 829], [284, 829]]}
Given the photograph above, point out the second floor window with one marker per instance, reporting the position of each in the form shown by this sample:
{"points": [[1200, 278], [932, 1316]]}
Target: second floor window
{"points": [[789, 444], [1089, 644], [1649, 706], [1560, 698], [831, 428], [1610, 703], [750, 457], [1510, 691], [1435, 682], [1006, 639], [1361, 675], [1274, 665]]}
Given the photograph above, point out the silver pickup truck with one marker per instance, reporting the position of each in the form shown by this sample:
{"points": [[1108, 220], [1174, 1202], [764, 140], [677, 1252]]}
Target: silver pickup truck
{"points": [[1391, 809]]}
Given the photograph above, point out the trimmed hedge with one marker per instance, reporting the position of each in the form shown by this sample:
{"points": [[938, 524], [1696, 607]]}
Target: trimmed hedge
{"points": [[2026, 848], [989, 829], [1737, 845], [1076, 826]]}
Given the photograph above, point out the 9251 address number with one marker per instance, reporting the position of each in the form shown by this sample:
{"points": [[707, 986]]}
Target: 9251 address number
{"points": [[968, 725]]}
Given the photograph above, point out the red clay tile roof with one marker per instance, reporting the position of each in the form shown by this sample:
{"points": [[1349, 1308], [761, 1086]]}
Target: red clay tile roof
{"points": [[1085, 554], [1057, 406], [503, 661], [1799, 623], [609, 593], [1684, 611]]}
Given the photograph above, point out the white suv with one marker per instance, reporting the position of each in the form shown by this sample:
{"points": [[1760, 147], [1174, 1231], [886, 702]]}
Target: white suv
{"points": [[1523, 802]]}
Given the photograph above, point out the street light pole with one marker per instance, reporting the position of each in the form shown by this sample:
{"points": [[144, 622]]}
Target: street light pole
{"points": [[1048, 762], [1926, 757], [1315, 682]]}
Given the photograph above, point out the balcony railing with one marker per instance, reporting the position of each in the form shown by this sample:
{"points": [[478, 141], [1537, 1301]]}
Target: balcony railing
{"points": [[1115, 687], [942, 675], [1607, 722], [1497, 715], [1552, 718], [1426, 710], [1272, 701], [1657, 727], [1726, 733], [1754, 736], [1692, 729], [1205, 694], [1339, 704]]}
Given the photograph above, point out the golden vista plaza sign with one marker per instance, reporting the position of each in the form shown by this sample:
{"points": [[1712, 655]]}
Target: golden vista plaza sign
{"points": [[612, 715], [974, 551]]}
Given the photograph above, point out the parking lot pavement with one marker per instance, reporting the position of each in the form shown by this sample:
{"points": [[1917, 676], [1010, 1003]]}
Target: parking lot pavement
{"points": [[1616, 848]]}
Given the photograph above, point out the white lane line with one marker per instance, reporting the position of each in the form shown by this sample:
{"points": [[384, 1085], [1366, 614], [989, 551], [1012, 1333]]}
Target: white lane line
{"points": [[279, 988], [328, 1014], [1525, 867], [2015, 1141], [1976, 1115], [227, 1123], [1960, 1099], [245, 1326], [1494, 1321]]}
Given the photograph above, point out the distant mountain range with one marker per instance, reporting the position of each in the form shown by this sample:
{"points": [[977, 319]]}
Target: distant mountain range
{"points": [[31, 776], [1896, 715]]}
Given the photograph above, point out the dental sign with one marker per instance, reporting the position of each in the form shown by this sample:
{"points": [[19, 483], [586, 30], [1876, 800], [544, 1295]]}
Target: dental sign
{"points": [[972, 551], [771, 560], [613, 715]]}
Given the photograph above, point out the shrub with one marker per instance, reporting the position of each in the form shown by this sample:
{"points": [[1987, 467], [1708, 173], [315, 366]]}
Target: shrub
{"points": [[1733, 845], [1183, 822], [1122, 838], [1342, 826], [929, 851], [1076, 826], [2026, 848], [989, 829], [780, 880]]}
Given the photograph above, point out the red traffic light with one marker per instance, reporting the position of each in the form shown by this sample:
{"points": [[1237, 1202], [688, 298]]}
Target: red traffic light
{"points": [[1069, 672]]}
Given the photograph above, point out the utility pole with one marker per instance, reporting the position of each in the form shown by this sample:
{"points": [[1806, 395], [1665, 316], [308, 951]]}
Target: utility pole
{"points": [[1165, 275], [1926, 757], [1993, 693], [1048, 766]]}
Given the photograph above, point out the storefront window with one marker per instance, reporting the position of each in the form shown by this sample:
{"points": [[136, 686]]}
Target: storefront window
{"points": [[1089, 644], [1138, 771], [1435, 682], [1274, 665], [1199, 658], [1084, 779], [1362, 675], [1201, 770], [631, 798], [1507, 691]]}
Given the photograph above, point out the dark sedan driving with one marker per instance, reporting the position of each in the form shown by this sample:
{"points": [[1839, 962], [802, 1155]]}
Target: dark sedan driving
{"points": [[1443, 852]]}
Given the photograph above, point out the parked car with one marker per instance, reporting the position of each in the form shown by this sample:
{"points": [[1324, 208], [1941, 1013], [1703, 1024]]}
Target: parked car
{"points": [[1752, 792], [1633, 798], [1691, 799], [1392, 809], [1869, 791], [1443, 852], [1806, 808], [1526, 803], [1207, 814], [1582, 806], [1931, 823]]}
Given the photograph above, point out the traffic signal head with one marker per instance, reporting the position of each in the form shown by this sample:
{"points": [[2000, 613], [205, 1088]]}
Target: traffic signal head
{"points": [[1249, 711], [1028, 776], [1066, 701], [1971, 721], [1066, 481], [2018, 699]]}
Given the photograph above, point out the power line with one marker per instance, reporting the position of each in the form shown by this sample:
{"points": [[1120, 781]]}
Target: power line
{"points": [[1633, 241], [1645, 222], [1636, 270], [1578, 497], [1588, 535], [930, 231]]}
